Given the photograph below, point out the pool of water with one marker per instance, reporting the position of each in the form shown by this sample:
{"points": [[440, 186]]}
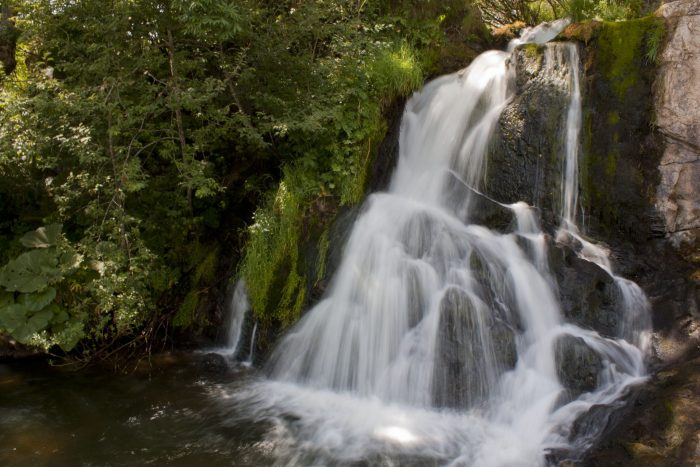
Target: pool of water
{"points": [[168, 413]]}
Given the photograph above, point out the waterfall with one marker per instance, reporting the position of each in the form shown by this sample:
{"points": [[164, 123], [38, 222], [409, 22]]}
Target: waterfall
{"points": [[238, 307], [440, 340]]}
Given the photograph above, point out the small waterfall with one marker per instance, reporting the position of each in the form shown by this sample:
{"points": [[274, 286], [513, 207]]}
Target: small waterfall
{"points": [[439, 339], [238, 308], [251, 352]]}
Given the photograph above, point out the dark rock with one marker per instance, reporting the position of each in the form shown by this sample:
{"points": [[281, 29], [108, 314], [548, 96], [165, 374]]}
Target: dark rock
{"points": [[10, 349], [578, 365], [388, 152], [588, 295], [525, 157], [213, 363], [467, 342]]}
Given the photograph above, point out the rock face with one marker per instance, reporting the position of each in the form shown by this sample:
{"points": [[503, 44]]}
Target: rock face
{"points": [[463, 373], [677, 103], [523, 164], [588, 295], [577, 365]]}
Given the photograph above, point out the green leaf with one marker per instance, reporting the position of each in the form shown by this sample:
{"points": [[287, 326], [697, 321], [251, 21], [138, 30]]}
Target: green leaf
{"points": [[37, 301], [6, 299], [68, 337], [60, 315], [13, 317], [28, 272], [43, 237], [39, 320]]}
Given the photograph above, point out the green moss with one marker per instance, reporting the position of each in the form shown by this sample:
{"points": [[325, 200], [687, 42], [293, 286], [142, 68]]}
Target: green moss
{"points": [[186, 313], [205, 271], [613, 117], [531, 50], [622, 47], [324, 244], [611, 165]]}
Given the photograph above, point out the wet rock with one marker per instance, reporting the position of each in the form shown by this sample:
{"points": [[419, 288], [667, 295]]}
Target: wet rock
{"points": [[213, 364], [10, 349], [588, 295], [483, 210], [578, 365], [663, 426], [678, 117], [524, 161], [469, 342]]}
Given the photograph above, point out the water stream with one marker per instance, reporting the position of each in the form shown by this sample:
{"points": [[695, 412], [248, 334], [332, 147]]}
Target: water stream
{"points": [[438, 338]]}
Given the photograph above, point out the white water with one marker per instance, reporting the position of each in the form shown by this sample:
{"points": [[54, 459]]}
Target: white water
{"points": [[436, 338], [238, 308]]}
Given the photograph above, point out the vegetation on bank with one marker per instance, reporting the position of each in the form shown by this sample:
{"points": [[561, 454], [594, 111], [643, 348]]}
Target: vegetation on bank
{"points": [[144, 141], [500, 13]]}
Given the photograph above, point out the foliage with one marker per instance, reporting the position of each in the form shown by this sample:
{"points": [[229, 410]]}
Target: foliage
{"points": [[35, 292], [151, 130], [498, 13]]}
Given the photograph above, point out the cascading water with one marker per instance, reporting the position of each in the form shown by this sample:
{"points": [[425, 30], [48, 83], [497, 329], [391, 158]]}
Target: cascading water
{"points": [[238, 308], [439, 338]]}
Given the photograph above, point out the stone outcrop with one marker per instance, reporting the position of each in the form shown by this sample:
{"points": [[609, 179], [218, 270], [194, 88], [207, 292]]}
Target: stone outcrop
{"points": [[588, 295], [463, 372], [577, 365], [677, 105], [523, 163]]}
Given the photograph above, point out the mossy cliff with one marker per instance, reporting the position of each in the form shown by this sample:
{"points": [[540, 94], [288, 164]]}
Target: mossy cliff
{"points": [[621, 163], [638, 195], [621, 148]]}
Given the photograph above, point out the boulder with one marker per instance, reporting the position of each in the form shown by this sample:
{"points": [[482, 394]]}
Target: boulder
{"points": [[524, 160], [470, 341], [578, 365], [588, 295]]}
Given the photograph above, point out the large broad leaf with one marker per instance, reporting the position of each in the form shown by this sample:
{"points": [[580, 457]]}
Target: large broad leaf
{"points": [[36, 323], [40, 320], [43, 237], [6, 299], [37, 300], [28, 272], [13, 317], [60, 315], [70, 334]]}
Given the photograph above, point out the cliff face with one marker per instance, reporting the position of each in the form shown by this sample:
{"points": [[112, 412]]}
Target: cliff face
{"points": [[663, 428], [677, 106]]}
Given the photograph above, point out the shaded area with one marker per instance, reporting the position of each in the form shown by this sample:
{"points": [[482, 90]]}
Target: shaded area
{"points": [[665, 428], [159, 415]]}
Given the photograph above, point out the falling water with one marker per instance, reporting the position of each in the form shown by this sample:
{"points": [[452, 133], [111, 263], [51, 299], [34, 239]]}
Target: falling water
{"points": [[251, 352], [238, 308], [437, 339]]}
